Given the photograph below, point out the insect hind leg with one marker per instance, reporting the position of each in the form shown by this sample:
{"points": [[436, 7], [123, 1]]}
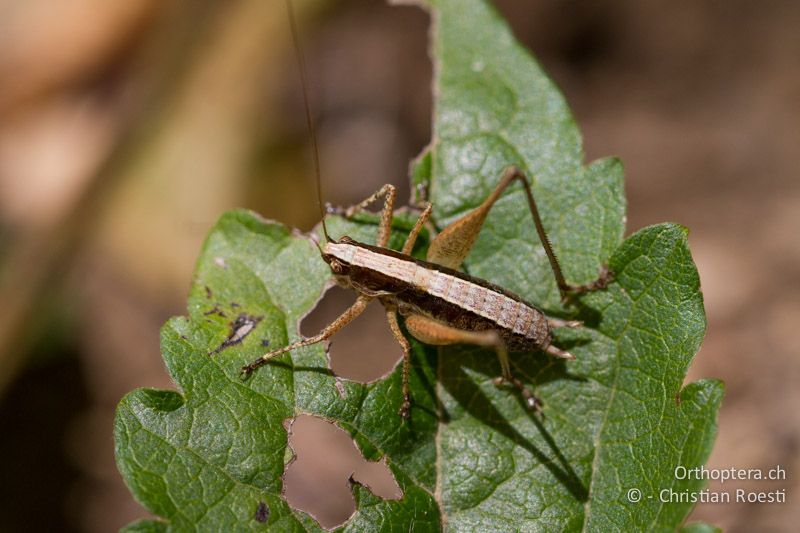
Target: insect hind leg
{"points": [[434, 332], [567, 290], [604, 277], [531, 401]]}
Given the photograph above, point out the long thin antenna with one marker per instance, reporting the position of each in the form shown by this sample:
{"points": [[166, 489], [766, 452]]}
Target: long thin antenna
{"points": [[309, 119]]}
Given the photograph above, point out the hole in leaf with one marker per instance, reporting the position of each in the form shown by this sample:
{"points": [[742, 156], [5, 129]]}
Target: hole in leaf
{"points": [[316, 481], [365, 349]]}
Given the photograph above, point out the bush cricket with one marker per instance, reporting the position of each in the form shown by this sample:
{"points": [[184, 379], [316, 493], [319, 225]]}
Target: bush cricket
{"points": [[440, 304]]}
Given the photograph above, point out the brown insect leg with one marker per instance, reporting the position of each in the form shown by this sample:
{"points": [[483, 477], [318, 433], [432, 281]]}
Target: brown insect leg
{"points": [[348, 316], [604, 277], [390, 193], [512, 173], [452, 245], [564, 288], [408, 246], [391, 316], [454, 242], [433, 332]]}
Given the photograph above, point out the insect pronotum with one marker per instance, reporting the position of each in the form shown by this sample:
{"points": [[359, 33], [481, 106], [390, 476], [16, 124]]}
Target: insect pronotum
{"points": [[440, 304]]}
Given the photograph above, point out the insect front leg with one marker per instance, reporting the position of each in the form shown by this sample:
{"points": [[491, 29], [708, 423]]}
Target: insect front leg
{"points": [[345, 318], [434, 332]]}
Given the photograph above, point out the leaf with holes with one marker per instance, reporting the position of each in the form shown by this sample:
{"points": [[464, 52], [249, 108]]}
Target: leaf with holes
{"points": [[616, 420]]}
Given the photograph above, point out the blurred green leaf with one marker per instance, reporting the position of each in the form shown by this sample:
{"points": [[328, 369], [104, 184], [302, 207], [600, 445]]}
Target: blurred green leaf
{"points": [[471, 457], [700, 527], [145, 526]]}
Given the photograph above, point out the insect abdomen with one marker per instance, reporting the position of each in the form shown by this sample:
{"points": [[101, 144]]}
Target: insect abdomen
{"points": [[470, 306], [446, 295]]}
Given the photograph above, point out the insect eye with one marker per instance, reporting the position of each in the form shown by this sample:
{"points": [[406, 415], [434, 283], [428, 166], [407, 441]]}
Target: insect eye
{"points": [[336, 267]]}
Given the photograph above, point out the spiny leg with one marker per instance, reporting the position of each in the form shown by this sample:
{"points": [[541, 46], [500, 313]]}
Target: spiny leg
{"points": [[348, 316], [452, 245], [434, 332], [412, 237], [419, 202], [531, 401], [604, 277], [391, 316], [564, 288], [390, 193]]}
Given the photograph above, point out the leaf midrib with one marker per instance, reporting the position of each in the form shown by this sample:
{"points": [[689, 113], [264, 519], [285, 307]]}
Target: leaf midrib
{"points": [[615, 385]]}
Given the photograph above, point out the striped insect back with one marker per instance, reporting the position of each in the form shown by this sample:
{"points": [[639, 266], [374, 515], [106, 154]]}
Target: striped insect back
{"points": [[440, 292]]}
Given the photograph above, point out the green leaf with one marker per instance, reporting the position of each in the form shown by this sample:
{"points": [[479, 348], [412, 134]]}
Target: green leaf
{"points": [[471, 457], [145, 526], [700, 527]]}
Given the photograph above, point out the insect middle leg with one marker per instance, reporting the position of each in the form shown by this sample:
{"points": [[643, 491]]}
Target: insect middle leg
{"points": [[389, 192], [434, 332], [391, 317], [408, 246]]}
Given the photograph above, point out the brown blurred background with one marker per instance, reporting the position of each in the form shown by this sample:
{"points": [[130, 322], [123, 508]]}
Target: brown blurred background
{"points": [[128, 127]]}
